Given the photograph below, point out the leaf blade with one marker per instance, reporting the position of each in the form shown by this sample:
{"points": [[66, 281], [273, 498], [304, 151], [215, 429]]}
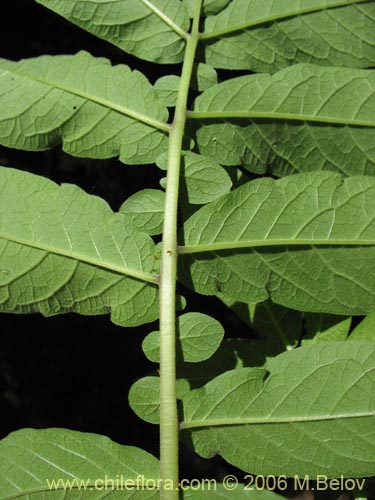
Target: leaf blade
{"points": [[83, 102], [152, 30], [101, 261], [198, 338], [267, 36], [39, 457], [145, 210], [281, 123], [255, 411], [250, 244]]}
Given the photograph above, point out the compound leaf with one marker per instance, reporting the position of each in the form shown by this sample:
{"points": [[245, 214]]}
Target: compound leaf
{"points": [[94, 109], [153, 30], [38, 464], [300, 119], [267, 35], [287, 240], [316, 401], [63, 250]]}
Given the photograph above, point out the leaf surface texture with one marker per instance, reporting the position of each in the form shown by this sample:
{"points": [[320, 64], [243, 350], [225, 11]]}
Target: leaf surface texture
{"points": [[144, 28], [63, 250], [287, 240], [303, 118], [315, 411], [267, 35], [29, 459], [94, 109]]}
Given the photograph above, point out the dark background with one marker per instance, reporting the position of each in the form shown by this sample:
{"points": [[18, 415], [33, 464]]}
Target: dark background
{"points": [[72, 371]]}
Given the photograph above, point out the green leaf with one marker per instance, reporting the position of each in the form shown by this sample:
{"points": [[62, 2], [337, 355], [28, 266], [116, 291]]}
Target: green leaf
{"points": [[145, 210], [225, 492], [84, 103], [62, 250], [317, 401], [154, 30], [209, 7], [167, 89], [198, 337], [144, 399], [203, 179], [292, 121], [265, 36], [37, 464], [204, 77], [151, 345], [232, 354], [277, 324], [305, 241], [365, 331], [325, 328]]}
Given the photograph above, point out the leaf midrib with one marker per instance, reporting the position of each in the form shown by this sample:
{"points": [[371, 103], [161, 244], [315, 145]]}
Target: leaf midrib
{"points": [[166, 19], [274, 420], [234, 245], [253, 115], [279, 17], [133, 273]]}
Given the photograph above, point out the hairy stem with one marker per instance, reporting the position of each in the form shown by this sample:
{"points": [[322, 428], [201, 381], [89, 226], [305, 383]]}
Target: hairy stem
{"points": [[168, 402]]}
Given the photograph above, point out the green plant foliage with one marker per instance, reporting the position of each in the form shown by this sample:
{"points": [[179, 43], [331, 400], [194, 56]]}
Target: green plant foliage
{"points": [[222, 493], [167, 89], [205, 77], [298, 222], [281, 327], [198, 336], [145, 210], [262, 411], [204, 179], [38, 457], [291, 259], [326, 328], [232, 354], [144, 397], [264, 35], [76, 254], [365, 331], [137, 27], [286, 118], [93, 109]]}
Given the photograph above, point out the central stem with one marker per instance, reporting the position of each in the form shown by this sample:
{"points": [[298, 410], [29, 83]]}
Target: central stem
{"points": [[168, 274]]}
